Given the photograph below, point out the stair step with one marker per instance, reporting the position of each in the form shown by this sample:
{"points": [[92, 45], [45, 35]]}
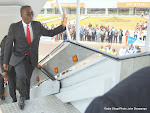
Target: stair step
{"points": [[48, 104]]}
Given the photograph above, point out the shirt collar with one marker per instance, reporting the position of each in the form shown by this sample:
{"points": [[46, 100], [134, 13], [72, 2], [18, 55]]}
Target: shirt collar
{"points": [[24, 24]]}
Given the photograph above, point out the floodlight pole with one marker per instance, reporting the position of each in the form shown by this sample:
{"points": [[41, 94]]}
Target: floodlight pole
{"points": [[78, 21], [147, 42], [61, 12]]}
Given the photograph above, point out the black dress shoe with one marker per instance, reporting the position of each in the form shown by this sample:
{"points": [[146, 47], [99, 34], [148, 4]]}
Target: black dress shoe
{"points": [[27, 98], [14, 100], [2, 98], [21, 103]]}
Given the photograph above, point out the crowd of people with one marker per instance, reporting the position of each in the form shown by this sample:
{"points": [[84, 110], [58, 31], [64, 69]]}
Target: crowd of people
{"points": [[108, 49], [123, 51], [97, 33], [102, 33], [141, 30], [130, 50]]}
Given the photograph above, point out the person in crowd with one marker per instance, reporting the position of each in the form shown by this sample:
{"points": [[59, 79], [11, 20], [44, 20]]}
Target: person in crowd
{"points": [[93, 34], [139, 50], [132, 47], [65, 35], [113, 29], [86, 34], [102, 48], [25, 36], [114, 52], [122, 51], [141, 35], [106, 25], [130, 50], [142, 14], [135, 33], [145, 25], [69, 26], [106, 35], [127, 34], [109, 49], [71, 31], [101, 27], [115, 35], [102, 35], [90, 34], [110, 35], [120, 33], [141, 26], [135, 49], [107, 28], [137, 26], [98, 34], [84, 26], [74, 24], [81, 34], [144, 34], [74, 33]]}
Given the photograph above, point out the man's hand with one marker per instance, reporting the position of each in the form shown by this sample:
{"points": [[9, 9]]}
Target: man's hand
{"points": [[5, 67], [4, 74], [39, 66], [64, 21]]}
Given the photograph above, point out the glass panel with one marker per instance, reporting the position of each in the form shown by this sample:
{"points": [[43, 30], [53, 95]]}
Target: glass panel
{"points": [[96, 10], [112, 11], [139, 11], [123, 11]]}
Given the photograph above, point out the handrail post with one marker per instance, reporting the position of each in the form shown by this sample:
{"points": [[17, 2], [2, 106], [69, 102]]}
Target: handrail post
{"points": [[61, 12]]}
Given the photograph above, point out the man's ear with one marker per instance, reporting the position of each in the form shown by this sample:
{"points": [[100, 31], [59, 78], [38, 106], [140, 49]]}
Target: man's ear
{"points": [[21, 14]]}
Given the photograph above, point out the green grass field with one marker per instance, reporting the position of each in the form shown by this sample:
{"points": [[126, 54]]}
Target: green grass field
{"points": [[126, 23], [47, 18]]}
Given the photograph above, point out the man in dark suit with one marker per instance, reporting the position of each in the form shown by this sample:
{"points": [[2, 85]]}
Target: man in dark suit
{"points": [[1, 79], [132, 95], [11, 75], [26, 35]]}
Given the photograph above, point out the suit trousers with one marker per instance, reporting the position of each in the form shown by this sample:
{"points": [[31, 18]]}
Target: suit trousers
{"points": [[1, 85], [12, 82], [24, 71]]}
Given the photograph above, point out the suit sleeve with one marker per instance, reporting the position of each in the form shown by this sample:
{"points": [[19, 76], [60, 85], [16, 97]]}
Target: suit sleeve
{"points": [[2, 53], [51, 33], [101, 105], [8, 45]]}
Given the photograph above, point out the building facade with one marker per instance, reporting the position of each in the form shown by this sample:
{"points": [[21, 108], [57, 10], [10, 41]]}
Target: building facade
{"points": [[116, 7]]}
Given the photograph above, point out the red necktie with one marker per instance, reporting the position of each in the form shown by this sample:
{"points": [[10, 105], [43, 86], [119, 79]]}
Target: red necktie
{"points": [[28, 38]]}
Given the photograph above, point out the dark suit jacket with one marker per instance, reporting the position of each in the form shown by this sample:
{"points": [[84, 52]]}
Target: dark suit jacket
{"points": [[2, 55], [21, 47], [132, 92], [2, 52]]}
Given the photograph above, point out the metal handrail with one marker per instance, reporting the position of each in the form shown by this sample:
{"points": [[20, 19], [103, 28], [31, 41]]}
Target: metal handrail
{"points": [[55, 50], [118, 58]]}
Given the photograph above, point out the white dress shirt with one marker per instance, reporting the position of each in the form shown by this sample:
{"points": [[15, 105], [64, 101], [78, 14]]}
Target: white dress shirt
{"points": [[25, 29]]}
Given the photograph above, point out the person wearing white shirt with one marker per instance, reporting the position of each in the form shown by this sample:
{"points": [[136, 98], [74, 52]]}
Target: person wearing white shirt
{"points": [[144, 34], [122, 51]]}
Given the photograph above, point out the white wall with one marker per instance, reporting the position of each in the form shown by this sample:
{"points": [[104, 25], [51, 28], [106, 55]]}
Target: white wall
{"points": [[10, 12]]}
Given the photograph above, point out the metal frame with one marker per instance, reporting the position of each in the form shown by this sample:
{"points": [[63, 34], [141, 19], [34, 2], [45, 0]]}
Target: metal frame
{"points": [[118, 58]]}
